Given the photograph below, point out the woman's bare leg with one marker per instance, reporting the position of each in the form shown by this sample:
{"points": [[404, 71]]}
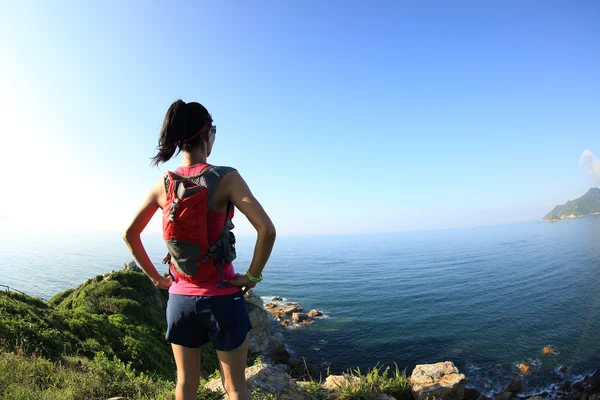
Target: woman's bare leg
{"points": [[188, 372], [233, 371]]}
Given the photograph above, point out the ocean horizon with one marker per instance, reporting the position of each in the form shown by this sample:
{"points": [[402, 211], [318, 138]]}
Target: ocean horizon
{"points": [[486, 298]]}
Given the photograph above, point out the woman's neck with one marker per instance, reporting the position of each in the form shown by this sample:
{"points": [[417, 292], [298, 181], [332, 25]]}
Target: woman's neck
{"points": [[193, 158]]}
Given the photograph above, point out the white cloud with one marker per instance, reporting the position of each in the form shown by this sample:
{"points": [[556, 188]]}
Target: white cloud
{"points": [[590, 165]]}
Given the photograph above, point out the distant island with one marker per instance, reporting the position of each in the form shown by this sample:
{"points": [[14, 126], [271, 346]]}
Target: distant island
{"points": [[587, 204]]}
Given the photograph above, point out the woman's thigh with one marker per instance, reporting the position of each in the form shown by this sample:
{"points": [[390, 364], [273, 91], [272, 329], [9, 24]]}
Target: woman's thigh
{"points": [[188, 363]]}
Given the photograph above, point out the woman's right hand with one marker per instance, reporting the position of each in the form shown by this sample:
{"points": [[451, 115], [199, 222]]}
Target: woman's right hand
{"points": [[242, 281], [164, 282]]}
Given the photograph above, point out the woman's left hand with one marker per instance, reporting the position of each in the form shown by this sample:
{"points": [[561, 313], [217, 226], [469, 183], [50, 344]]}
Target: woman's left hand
{"points": [[243, 282]]}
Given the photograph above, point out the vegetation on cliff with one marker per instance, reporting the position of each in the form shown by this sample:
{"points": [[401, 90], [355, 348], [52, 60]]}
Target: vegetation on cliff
{"points": [[587, 204], [109, 331]]}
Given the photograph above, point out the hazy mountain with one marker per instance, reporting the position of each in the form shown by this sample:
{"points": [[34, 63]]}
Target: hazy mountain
{"points": [[587, 204]]}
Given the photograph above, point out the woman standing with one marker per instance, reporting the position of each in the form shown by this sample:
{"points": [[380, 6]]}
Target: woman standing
{"points": [[210, 308]]}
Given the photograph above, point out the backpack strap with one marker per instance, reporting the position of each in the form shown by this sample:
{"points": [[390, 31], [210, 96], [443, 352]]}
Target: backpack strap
{"points": [[212, 176]]}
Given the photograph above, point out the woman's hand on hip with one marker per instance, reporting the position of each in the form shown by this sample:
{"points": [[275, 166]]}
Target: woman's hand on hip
{"points": [[164, 282], [242, 281]]}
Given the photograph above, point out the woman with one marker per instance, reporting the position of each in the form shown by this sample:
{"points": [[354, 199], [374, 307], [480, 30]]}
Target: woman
{"points": [[208, 311]]}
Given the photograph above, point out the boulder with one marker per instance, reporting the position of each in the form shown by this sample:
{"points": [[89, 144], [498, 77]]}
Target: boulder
{"points": [[270, 380], [547, 350], [334, 382], [298, 317], [594, 380], [276, 350], [284, 309], [132, 266], [471, 394], [504, 396], [514, 387], [254, 299], [285, 323], [276, 298], [258, 337], [437, 381], [276, 343], [536, 398], [314, 313], [525, 369]]}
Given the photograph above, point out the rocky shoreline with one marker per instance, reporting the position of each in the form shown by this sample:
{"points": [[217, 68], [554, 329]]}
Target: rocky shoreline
{"points": [[439, 381], [116, 321]]}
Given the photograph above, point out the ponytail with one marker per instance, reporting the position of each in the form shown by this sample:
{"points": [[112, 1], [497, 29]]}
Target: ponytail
{"points": [[181, 130]]}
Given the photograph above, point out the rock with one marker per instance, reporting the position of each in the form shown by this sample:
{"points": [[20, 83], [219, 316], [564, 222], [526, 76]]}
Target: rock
{"points": [[253, 299], [565, 386], [524, 368], [314, 313], [276, 298], [276, 343], [384, 397], [118, 398], [577, 396], [334, 382], [285, 323], [514, 387], [536, 398], [258, 337], [276, 350], [594, 380], [271, 381], [504, 396], [471, 394], [284, 309], [578, 386], [547, 350], [437, 381], [594, 396], [132, 266], [299, 317], [562, 369]]}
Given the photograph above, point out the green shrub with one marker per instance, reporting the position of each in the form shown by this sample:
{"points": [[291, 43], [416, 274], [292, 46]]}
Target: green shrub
{"points": [[33, 377]]}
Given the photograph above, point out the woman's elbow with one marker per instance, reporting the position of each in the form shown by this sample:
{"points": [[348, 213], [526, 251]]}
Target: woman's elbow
{"points": [[129, 235], [268, 231]]}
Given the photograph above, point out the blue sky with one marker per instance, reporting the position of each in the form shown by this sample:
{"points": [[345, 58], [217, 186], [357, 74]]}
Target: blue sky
{"points": [[343, 116]]}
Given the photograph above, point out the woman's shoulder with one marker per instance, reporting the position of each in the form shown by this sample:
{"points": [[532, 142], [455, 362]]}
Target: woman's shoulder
{"points": [[221, 170]]}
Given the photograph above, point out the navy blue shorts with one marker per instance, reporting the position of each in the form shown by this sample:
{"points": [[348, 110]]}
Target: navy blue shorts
{"points": [[196, 320]]}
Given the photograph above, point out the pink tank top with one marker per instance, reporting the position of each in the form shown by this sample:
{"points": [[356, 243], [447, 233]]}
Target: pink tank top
{"points": [[216, 220]]}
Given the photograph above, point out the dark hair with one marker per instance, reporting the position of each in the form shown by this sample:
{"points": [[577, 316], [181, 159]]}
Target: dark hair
{"points": [[181, 129]]}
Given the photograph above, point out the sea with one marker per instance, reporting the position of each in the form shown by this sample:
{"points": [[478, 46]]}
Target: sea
{"points": [[486, 298]]}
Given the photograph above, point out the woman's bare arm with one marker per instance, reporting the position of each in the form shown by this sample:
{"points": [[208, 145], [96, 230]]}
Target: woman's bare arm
{"points": [[133, 232], [240, 195]]}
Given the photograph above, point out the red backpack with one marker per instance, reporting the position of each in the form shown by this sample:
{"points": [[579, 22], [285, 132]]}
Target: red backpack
{"points": [[185, 227]]}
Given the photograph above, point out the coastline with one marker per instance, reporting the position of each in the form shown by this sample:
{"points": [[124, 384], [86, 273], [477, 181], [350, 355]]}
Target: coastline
{"points": [[268, 338], [564, 385], [571, 216]]}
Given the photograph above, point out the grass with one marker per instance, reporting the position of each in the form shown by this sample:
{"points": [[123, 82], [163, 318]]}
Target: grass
{"points": [[359, 386], [24, 377], [120, 315], [374, 382]]}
